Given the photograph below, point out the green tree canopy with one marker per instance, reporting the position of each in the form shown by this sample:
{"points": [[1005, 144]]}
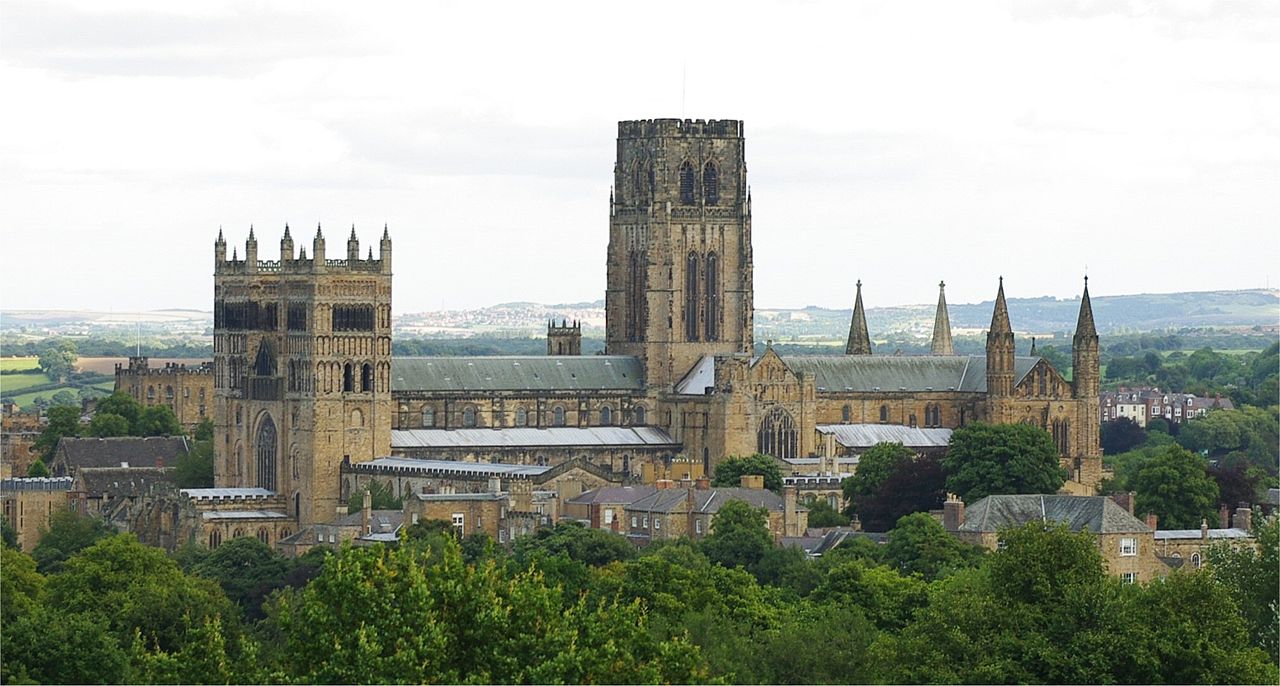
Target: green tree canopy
{"points": [[993, 459], [106, 425], [1252, 577], [593, 547], [195, 469], [1175, 485], [875, 466], [914, 485], [69, 533], [730, 471], [739, 535], [158, 420], [821, 514], [37, 469], [63, 421], [919, 545], [123, 405], [58, 358], [247, 570]]}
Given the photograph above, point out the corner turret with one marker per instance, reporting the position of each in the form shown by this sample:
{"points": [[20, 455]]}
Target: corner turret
{"points": [[1000, 349], [219, 251], [286, 246], [384, 250], [859, 342], [942, 325], [353, 247], [317, 251], [251, 252]]}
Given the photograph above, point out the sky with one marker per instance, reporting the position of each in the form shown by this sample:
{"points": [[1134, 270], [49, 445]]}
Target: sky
{"points": [[900, 142]]}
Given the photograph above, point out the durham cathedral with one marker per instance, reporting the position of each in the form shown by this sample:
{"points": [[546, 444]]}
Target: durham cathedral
{"points": [[307, 395]]}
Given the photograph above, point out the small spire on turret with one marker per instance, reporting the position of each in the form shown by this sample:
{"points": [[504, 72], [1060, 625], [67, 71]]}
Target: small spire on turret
{"points": [[386, 233], [251, 233], [1033, 346], [286, 230], [353, 233], [318, 233], [220, 238], [1084, 324], [370, 258], [234, 255], [859, 342], [1000, 315]]}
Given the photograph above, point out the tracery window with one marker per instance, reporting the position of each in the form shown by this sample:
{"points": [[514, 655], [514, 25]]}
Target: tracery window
{"points": [[711, 184], [713, 297], [777, 434], [265, 452], [686, 184], [691, 299]]}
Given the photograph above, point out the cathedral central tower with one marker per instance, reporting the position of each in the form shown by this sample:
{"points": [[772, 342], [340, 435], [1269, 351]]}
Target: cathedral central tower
{"points": [[680, 265]]}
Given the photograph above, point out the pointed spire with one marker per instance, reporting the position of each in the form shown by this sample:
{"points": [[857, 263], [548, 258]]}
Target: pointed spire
{"points": [[318, 233], [386, 233], [1085, 325], [942, 325], [234, 255], [859, 341], [353, 233], [286, 231], [1033, 346], [251, 233], [302, 253], [370, 258], [220, 238], [1000, 316]]}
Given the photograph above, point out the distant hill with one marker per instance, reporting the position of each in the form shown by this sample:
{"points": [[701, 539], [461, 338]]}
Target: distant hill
{"points": [[1114, 314]]}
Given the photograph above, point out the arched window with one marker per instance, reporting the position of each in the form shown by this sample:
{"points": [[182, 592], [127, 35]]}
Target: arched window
{"points": [[637, 297], [638, 415], [469, 417], [713, 297], [265, 451], [606, 416], [215, 539], [357, 418], [691, 299], [884, 414], [686, 183], [428, 418], [168, 393], [846, 414], [522, 416], [366, 378], [264, 535], [1195, 560], [264, 364], [348, 380], [1062, 435], [777, 434], [557, 416], [711, 183], [297, 506], [912, 421], [151, 392]]}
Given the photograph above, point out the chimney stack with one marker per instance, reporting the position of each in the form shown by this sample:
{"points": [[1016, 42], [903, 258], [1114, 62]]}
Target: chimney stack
{"points": [[366, 512], [790, 515], [1204, 529], [1224, 517], [1152, 520], [751, 481], [702, 483], [1244, 517], [953, 513]]}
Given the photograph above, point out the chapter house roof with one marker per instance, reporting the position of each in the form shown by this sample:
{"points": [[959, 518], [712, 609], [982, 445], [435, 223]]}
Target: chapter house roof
{"points": [[523, 437], [1095, 514], [567, 372], [888, 373]]}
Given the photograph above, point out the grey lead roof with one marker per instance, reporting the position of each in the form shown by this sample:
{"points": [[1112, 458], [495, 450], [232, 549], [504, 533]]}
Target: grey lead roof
{"points": [[553, 437], [570, 373], [706, 501], [867, 435], [1095, 514], [452, 467], [888, 373], [1215, 534]]}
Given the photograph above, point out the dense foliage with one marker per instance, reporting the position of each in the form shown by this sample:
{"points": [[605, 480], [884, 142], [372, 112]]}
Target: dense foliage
{"points": [[891, 482], [994, 459], [571, 604], [730, 472]]}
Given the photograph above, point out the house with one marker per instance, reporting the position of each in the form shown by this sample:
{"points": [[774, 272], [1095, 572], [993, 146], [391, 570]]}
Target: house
{"points": [[28, 503], [1127, 544], [678, 511], [605, 508]]}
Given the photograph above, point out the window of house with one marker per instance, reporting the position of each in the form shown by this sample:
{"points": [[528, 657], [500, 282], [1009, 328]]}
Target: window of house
{"points": [[697, 526], [657, 522], [633, 521], [1128, 547], [608, 516], [522, 416], [639, 415], [645, 521], [1129, 577], [846, 414], [458, 522], [884, 413], [1195, 560], [1002, 544], [502, 535], [151, 392]]}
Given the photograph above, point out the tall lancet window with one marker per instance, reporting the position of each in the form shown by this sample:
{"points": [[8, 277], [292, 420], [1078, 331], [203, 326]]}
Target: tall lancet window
{"points": [[265, 452], [691, 299], [711, 184], [686, 184], [637, 300], [713, 297]]}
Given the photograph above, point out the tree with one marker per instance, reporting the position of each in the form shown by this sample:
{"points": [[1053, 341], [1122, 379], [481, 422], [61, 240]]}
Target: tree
{"points": [[730, 471], [381, 498], [916, 485], [20, 584], [991, 459], [821, 514], [1237, 482], [739, 535], [37, 469], [247, 569], [592, 547], [64, 397], [1175, 485], [919, 545], [1252, 577], [195, 469], [158, 420], [885, 597], [121, 404], [69, 533], [874, 468], [106, 425], [58, 359], [8, 534], [63, 421], [1121, 435], [203, 430]]}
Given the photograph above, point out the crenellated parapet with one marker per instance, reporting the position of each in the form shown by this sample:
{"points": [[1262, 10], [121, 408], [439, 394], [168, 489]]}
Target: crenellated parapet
{"points": [[290, 262], [649, 128]]}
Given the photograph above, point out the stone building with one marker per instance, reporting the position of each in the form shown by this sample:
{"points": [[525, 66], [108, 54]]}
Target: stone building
{"points": [[187, 390], [156, 452], [305, 389], [1127, 544], [689, 510], [29, 502]]}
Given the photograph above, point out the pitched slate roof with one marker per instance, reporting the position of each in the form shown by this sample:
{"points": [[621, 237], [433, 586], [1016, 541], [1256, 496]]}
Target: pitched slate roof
{"points": [[1095, 514], [124, 451], [867, 435], [552, 437], [617, 494], [706, 501], [569, 373], [889, 373], [119, 482]]}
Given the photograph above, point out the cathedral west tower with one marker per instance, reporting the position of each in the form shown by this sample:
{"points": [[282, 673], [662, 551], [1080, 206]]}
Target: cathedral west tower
{"points": [[679, 263], [302, 369]]}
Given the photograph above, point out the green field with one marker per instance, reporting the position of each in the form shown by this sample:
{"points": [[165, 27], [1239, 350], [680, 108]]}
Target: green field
{"points": [[11, 383], [26, 400], [8, 363]]}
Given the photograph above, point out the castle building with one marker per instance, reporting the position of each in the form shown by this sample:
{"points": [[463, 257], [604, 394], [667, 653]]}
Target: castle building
{"points": [[306, 390], [187, 390]]}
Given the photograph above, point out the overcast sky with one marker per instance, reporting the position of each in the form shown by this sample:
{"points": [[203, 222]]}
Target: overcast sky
{"points": [[899, 142]]}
